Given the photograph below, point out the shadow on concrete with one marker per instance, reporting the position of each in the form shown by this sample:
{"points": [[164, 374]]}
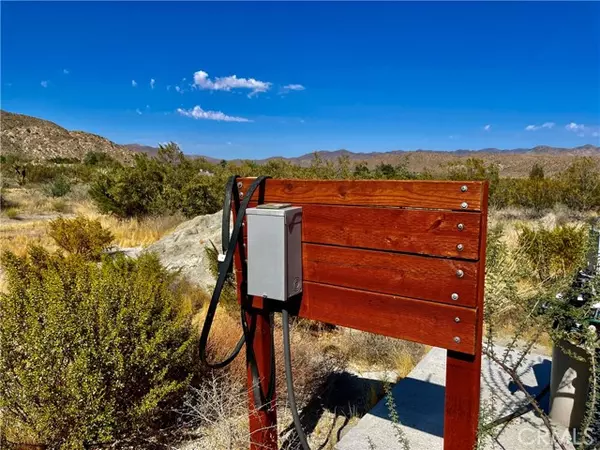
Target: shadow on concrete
{"points": [[542, 373], [419, 404], [344, 395]]}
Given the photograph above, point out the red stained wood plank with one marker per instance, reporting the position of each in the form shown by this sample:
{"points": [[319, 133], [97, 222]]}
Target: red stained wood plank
{"points": [[414, 320], [414, 276], [417, 194], [426, 232]]}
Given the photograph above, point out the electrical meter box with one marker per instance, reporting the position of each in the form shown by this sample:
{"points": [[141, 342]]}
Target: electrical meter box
{"points": [[274, 249]]}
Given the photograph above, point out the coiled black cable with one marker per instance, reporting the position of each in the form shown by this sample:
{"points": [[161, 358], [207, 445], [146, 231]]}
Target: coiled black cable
{"points": [[260, 399]]}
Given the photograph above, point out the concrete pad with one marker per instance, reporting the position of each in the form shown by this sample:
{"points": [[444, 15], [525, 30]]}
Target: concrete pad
{"points": [[419, 400]]}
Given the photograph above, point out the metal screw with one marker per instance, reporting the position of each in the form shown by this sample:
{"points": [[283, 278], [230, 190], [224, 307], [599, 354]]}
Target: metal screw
{"points": [[460, 273], [457, 319], [460, 227], [464, 205], [460, 247], [241, 195], [240, 184], [454, 296], [457, 339], [464, 188]]}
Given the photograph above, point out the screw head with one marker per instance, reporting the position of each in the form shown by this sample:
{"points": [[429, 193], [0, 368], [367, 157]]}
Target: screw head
{"points": [[240, 184], [464, 188], [457, 339], [460, 273], [464, 205], [454, 296], [460, 247], [457, 319], [241, 195], [460, 227]]}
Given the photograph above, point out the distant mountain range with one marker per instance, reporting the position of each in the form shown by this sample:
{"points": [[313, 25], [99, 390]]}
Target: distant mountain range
{"points": [[41, 139]]}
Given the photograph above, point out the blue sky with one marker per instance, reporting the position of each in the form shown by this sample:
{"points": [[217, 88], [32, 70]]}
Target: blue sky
{"points": [[250, 80]]}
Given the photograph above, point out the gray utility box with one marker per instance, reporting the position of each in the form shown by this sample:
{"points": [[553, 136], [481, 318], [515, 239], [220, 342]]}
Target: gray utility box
{"points": [[274, 251]]}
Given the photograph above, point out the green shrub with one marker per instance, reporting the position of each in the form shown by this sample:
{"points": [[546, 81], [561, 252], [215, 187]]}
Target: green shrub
{"points": [[12, 213], [581, 184], [59, 187], [80, 236], [90, 353], [555, 253], [98, 159]]}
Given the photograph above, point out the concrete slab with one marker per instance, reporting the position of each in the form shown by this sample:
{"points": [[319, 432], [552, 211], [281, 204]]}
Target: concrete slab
{"points": [[419, 401]]}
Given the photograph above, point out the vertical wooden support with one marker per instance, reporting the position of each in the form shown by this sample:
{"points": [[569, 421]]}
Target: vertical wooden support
{"points": [[263, 420], [463, 372]]}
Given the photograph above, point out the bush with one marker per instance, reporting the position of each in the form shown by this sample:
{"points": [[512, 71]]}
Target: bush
{"points": [[89, 353], [80, 236], [555, 253], [59, 187]]}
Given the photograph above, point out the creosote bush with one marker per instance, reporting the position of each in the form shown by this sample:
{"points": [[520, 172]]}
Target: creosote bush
{"points": [[80, 236], [553, 253], [90, 354]]}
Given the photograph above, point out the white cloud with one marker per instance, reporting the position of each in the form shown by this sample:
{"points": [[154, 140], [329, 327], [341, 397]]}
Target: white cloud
{"points": [[44, 83], [202, 81], [66, 71], [178, 89], [488, 127], [294, 87], [575, 127], [152, 83], [133, 83], [138, 111], [198, 113], [539, 127], [168, 87]]}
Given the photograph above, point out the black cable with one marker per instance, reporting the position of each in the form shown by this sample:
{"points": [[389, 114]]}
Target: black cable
{"points": [[225, 266], [287, 356]]}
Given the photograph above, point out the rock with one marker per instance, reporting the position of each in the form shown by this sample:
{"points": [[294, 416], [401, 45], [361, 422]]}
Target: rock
{"points": [[184, 248]]}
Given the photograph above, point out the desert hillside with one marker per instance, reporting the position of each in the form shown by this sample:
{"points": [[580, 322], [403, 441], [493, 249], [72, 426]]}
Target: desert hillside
{"points": [[39, 139]]}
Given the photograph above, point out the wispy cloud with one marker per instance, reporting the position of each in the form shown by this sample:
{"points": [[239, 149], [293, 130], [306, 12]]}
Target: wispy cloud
{"points": [[583, 130], [133, 83], [66, 71], [488, 127], [138, 111], [547, 125], [168, 87], [203, 81], [291, 87], [178, 89], [575, 127], [152, 83], [44, 83], [198, 113]]}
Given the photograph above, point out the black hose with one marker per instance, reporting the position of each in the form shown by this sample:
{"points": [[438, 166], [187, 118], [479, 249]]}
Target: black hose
{"points": [[261, 399], [287, 356]]}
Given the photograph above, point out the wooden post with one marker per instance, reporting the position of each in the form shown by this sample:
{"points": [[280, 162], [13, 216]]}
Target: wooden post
{"points": [[263, 421], [463, 372]]}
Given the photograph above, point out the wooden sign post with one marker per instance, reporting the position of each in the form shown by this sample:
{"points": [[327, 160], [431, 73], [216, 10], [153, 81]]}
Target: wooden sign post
{"points": [[404, 259]]}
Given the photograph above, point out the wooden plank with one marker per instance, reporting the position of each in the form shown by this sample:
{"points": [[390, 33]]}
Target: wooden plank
{"points": [[416, 194], [420, 277], [426, 232], [419, 231], [414, 320], [463, 372]]}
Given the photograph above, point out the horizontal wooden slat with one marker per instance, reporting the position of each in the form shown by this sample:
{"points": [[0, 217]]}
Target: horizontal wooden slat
{"points": [[414, 276], [404, 230], [415, 194], [425, 322], [425, 232]]}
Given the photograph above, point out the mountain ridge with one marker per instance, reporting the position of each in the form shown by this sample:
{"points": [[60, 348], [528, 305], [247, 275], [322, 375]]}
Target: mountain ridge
{"points": [[42, 139]]}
